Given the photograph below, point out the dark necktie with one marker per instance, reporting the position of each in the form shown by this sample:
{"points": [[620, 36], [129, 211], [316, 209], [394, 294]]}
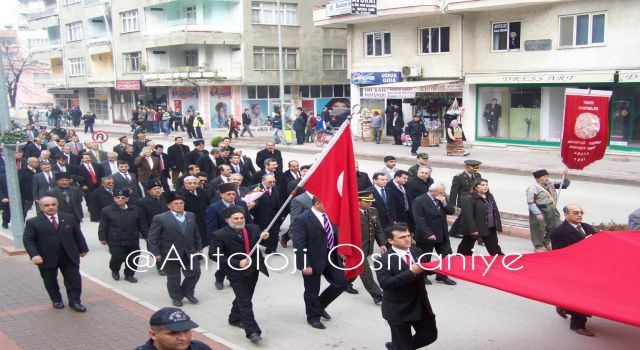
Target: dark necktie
{"points": [[327, 230], [581, 230], [437, 204], [54, 222], [383, 194]]}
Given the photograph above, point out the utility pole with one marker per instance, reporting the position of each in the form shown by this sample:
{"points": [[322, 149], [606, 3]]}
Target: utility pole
{"points": [[281, 68], [11, 172]]}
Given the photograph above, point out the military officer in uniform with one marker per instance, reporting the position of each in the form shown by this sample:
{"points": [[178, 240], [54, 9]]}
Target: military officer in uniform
{"points": [[460, 187], [543, 215], [122, 146], [371, 235]]}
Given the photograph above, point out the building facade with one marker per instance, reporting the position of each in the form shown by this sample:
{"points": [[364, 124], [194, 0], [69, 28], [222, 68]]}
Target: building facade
{"points": [[212, 56], [523, 54]]}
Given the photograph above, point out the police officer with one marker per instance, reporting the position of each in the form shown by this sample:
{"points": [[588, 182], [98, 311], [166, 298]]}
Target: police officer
{"points": [[120, 227], [171, 330], [542, 200], [460, 187]]}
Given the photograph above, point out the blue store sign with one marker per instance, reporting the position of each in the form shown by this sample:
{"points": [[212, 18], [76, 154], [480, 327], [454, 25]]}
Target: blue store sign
{"points": [[375, 78]]}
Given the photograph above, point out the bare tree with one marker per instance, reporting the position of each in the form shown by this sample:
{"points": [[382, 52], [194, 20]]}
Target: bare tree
{"points": [[15, 64]]}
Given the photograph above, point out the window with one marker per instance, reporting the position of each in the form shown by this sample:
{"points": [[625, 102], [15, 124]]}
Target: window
{"points": [[77, 66], [582, 30], [267, 58], [190, 14], [265, 13], [334, 59], [69, 2], [74, 31], [99, 102], [311, 91], [378, 44], [266, 91], [129, 21], [132, 62], [191, 58], [434, 40], [506, 36]]}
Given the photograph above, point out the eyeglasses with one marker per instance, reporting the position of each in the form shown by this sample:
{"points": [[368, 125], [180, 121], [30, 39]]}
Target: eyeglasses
{"points": [[577, 212]]}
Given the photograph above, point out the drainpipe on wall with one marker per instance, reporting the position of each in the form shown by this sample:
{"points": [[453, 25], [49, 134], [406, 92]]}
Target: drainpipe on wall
{"points": [[113, 56]]}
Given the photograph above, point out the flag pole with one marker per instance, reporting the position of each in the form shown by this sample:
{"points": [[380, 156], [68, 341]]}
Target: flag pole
{"points": [[315, 165]]}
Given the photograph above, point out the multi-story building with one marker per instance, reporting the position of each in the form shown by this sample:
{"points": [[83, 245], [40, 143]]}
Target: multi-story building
{"points": [[214, 56], [522, 53]]}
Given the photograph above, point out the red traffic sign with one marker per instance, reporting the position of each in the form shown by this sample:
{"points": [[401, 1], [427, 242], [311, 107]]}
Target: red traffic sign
{"points": [[100, 136]]}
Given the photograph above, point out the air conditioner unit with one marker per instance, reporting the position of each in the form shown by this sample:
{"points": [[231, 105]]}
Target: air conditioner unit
{"points": [[406, 71], [415, 71]]}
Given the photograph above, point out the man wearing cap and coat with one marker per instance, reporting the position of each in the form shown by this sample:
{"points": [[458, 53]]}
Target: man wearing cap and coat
{"points": [[542, 200], [120, 228], [174, 234], [69, 197], [169, 326], [232, 245], [460, 187]]}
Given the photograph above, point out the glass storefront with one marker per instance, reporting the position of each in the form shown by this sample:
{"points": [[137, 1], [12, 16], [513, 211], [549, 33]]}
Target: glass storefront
{"points": [[624, 116]]}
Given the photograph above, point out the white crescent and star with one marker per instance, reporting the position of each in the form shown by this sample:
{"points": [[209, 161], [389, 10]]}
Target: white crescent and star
{"points": [[339, 183]]}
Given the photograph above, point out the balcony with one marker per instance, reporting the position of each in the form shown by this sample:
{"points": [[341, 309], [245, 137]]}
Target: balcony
{"points": [[44, 19], [100, 80], [198, 75], [45, 52], [187, 31], [147, 3], [98, 43], [55, 81]]}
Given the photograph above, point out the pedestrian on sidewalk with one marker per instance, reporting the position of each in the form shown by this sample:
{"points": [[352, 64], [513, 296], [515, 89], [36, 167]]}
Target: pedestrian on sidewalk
{"points": [[197, 125], [171, 330], [542, 200], [55, 242], [89, 121], [415, 129], [246, 123], [377, 123]]}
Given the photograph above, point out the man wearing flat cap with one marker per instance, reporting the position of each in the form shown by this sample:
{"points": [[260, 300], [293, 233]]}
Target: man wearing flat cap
{"points": [[231, 246], [153, 203], [171, 330], [460, 187], [69, 197], [174, 234], [192, 157], [120, 228], [372, 236], [542, 200]]}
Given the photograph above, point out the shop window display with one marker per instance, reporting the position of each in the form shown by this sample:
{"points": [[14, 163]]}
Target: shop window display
{"points": [[624, 123], [510, 113]]}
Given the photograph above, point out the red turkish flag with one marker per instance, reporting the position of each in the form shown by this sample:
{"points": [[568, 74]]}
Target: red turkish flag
{"points": [[586, 127], [332, 179]]}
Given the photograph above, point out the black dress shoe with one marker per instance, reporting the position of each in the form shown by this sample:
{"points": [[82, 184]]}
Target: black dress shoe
{"points": [[351, 290], [254, 337], [115, 275], [57, 305], [377, 299], [317, 324], [131, 279], [427, 281], [448, 281], [192, 299], [561, 312], [325, 315], [389, 345], [5, 226], [161, 273], [219, 285], [583, 331], [78, 307], [237, 324], [176, 302]]}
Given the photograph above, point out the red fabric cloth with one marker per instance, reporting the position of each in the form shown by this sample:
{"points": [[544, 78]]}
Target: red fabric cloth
{"points": [[585, 134], [94, 179], [245, 236], [333, 180], [597, 276]]}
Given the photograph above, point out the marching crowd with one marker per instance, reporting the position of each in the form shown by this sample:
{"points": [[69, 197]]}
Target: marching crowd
{"points": [[185, 200]]}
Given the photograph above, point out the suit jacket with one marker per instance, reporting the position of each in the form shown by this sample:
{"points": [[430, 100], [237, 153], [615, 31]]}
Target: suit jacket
{"points": [[148, 208], [222, 161], [214, 220], [263, 155], [145, 172], [40, 186], [395, 203], [165, 232], [416, 187], [130, 159], [97, 200], [307, 232], [399, 127], [175, 156], [288, 176], [208, 166], [244, 171], [32, 150], [192, 158], [246, 161], [281, 183], [73, 148], [227, 242], [404, 297], [566, 235], [197, 205], [371, 229], [475, 216], [363, 180], [387, 216], [267, 207], [81, 170], [492, 113], [72, 159], [300, 204], [25, 178], [460, 187], [57, 168], [106, 168], [74, 206], [165, 161], [431, 219], [120, 182], [42, 239], [102, 156]]}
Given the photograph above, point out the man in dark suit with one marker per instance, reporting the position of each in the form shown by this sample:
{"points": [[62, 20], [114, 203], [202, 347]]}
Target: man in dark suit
{"points": [[269, 151], [214, 220], [97, 156], [570, 232], [192, 170], [58, 148], [191, 158], [398, 202], [100, 198], [223, 157], [195, 201], [362, 179], [33, 148], [174, 234], [72, 159], [140, 143], [430, 212], [397, 127], [492, 113], [271, 168], [44, 181], [238, 168], [153, 203], [405, 303], [236, 238], [246, 161], [293, 173], [207, 163], [299, 125], [163, 160], [460, 187], [314, 238], [128, 157], [123, 179], [69, 197], [175, 158], [110, 166], [420, 184], [25, 178], [266, 208], [54, 241], [90, 174], [381, 199], [61, 164]]}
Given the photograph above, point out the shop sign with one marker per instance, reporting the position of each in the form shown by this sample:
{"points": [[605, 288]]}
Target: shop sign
{"points": [[337, 8], [537, 45], [373, 93], [375, 78], [540, 78], [453, 86], [128, 85], [184, 92], [629, 77], [401, 92], [364, 7]]}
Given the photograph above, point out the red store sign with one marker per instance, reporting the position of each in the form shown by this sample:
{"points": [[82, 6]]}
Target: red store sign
{"points": [[128, 85]]}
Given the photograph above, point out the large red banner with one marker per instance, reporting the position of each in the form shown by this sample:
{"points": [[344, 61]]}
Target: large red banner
{"points": [[586, 127]]}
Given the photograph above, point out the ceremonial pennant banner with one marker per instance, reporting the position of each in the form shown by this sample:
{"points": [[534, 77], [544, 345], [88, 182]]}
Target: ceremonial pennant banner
{"points": [[585, 134], [332, 179], [597, 276]]}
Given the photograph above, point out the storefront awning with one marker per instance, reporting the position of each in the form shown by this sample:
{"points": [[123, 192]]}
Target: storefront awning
{"points": [[629, 76], [408, 89], [540, 78]]}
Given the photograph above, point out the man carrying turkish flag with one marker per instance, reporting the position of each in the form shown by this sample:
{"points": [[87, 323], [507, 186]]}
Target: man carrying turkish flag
{"points": [[332, 179]]}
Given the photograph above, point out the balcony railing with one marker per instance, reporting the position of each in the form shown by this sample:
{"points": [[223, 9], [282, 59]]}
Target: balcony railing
{"points": [[91, 2], [49, 81], [188, 25], [50, 46], [48, 11], [98, 39], [100, 78], [182, 73]]}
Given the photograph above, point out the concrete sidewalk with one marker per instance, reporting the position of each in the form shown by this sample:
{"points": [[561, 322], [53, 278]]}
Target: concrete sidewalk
{"points": [[114, 319]]}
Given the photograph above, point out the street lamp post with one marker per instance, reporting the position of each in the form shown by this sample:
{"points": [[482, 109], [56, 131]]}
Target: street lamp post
{"points": [[281, 68]]}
